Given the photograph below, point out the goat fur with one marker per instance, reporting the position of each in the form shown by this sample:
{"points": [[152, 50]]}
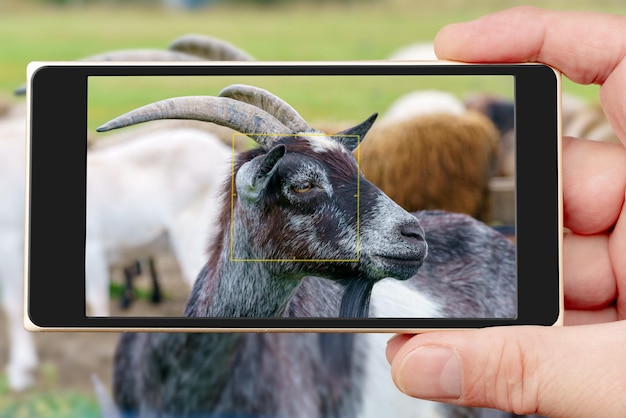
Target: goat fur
{"points": [[318, 375], [312, 375], [110, 252], [22, 361], [147, 196], [422, 102], [437, 161]]}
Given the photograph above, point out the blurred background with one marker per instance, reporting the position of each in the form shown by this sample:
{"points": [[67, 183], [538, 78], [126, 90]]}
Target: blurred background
{"points": [[41, 30], [266, 29]]}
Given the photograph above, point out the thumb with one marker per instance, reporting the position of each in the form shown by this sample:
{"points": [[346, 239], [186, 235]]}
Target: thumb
{"points": [[554, 371]]}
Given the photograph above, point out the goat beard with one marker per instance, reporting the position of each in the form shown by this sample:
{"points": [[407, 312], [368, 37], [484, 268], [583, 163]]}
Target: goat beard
{"points": [[355, 302]]}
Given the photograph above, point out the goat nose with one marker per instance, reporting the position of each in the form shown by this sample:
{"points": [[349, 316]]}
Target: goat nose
{"points": [[412, 231]]}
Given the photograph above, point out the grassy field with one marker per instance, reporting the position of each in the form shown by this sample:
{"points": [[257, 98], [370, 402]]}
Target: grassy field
{"points": [[357, 30], [364, 30], [50, 402]]}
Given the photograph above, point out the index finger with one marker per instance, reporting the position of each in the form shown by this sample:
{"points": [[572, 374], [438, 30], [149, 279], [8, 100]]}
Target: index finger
{"points": [[586, 47]]}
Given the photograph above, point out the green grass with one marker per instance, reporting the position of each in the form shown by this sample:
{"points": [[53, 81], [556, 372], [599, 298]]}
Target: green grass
{"points": [[316, 98], [48, 402], [49, 405]]}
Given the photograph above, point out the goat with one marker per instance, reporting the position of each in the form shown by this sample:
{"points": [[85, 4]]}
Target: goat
{"points": [[429, 134], [130, 55], [103, 165], [22, 361], [189, 47], [309, 180], [198, 48], [184, 48], [422, 102], [128, 216], [435, 161], [225, 135], [295, 198]]}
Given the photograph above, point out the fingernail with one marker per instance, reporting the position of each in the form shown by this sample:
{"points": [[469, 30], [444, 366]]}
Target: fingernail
{"points": [[430, 372]]}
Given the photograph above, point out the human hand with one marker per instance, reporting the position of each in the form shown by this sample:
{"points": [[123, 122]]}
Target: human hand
{"points": [[572, 371]]}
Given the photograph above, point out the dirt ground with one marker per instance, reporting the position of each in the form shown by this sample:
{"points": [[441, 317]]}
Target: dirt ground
{"points": [[68, 359]]}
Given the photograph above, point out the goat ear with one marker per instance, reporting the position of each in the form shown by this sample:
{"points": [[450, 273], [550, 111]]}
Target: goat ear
{"points": [[253, 176], [351, 137]]}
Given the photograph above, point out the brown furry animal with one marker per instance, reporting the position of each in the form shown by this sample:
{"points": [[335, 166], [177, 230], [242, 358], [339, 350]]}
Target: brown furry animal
{"points": [[437, 161]]}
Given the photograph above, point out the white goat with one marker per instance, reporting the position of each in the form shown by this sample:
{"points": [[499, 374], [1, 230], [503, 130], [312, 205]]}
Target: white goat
{"points": [[137, 207], [22, 354], [147, 196], [102, 250], [422, 102]]}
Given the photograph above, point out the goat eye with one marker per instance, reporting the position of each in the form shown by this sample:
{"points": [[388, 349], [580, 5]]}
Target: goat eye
{"points": [[303, 188]]}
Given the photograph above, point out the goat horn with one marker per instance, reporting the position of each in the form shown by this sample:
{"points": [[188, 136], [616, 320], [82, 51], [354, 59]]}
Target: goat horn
{"points": [[270, 103], [249, 120], [208, 48], [142, 55], [130, 55]]}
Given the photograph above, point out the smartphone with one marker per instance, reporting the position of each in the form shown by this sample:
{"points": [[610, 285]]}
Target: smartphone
{"points": [[295, 196]]}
